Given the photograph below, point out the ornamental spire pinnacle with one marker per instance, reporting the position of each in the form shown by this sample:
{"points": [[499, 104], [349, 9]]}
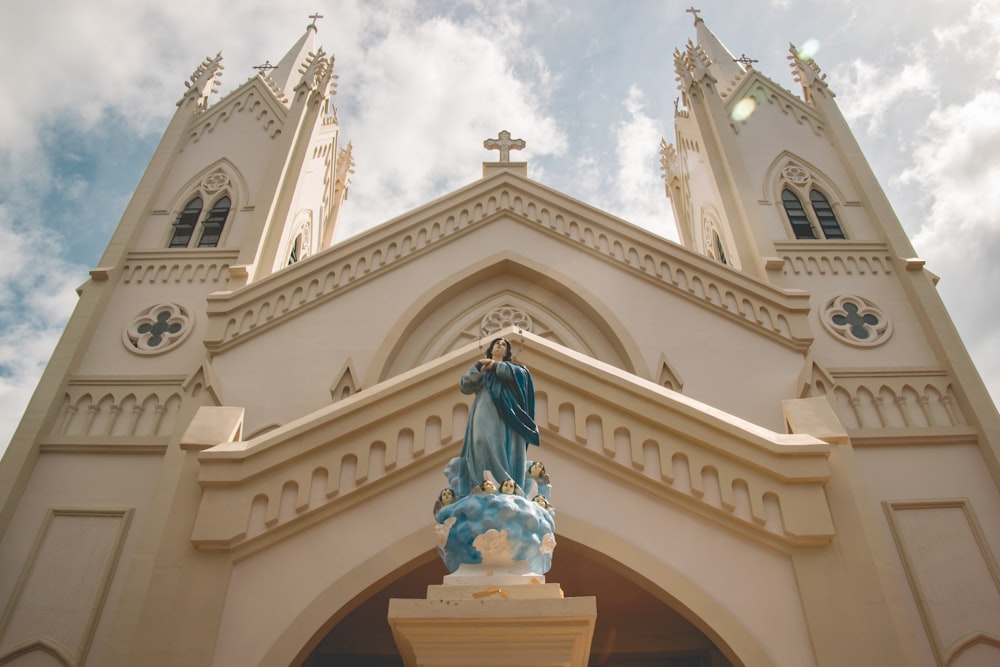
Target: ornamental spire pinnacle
{"points": [[286, 74]]}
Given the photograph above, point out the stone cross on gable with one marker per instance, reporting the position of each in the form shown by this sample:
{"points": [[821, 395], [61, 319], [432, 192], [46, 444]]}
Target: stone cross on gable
{"points": [[504, 144]]}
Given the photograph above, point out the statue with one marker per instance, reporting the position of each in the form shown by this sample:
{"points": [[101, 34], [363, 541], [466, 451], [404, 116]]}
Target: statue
{"points": [[501, 421], [507, 524]]}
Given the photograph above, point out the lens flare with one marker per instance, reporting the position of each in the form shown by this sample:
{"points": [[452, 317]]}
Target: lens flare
{"points": [[809, 49], [743, 109]]}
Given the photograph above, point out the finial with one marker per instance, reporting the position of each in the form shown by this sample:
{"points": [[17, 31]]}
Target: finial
{"points": [[504, 144], [745, 60], [694, 12], [265, 68], [314, 18]]}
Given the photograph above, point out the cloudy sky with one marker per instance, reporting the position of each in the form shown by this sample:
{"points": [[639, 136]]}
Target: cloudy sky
{"points": [[89, 86]]}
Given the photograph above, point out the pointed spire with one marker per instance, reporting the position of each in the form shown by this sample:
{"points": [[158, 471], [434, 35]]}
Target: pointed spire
{"points": [[286, 74], [722, 65]]}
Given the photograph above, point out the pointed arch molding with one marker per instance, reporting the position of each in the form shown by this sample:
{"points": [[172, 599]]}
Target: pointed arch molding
{"points": [[333, 602], [773, 181], [767, 485], [779, 314], [448, 317], [236, 187]]}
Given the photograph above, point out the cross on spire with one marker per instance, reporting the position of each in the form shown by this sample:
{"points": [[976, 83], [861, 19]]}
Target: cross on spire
{"points": [[314, 17], [694, 12], [265, 68], [745, 60], [504, 144]]}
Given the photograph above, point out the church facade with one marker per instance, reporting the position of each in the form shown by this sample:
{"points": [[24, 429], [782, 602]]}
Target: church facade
{"points": [[767, 443]]}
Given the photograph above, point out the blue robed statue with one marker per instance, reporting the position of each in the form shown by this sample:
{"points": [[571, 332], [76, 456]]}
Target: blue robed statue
{"points": [[501, 421], [495, 512]]}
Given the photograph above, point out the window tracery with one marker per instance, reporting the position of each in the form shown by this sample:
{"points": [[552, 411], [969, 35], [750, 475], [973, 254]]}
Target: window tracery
{"points": [[815, 221], [215, 188], [157, 329], [856, 320]]}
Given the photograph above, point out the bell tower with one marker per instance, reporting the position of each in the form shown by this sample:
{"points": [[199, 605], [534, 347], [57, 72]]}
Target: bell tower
{"points": [[237, 189], [775, 186]]}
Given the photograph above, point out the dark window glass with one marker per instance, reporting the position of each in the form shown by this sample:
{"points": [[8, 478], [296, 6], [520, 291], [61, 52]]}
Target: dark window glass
{"points": [[293, 256], [718, 249], [824, 213], [184, 225], [216, 220], [797, 215]]}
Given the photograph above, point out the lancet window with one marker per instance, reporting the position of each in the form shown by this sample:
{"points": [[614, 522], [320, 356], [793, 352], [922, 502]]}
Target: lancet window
{"points": [[185, 224], [806, 222], [211, 227]]}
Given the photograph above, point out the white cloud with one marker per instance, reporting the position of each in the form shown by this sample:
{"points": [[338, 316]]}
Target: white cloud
{"points": [[468, 91], [638, 188], [872, 92], [37, 296], [960, 236]]}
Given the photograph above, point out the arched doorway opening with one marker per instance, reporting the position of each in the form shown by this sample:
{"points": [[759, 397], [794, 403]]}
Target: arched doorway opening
{"points": [[636, 624]]}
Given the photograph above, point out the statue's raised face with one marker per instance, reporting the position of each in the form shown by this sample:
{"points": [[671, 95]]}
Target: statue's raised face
{"points": [[499, 350]]}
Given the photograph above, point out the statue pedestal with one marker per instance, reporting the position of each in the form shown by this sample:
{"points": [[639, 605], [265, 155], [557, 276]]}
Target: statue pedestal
{"points": [[501, 619]]}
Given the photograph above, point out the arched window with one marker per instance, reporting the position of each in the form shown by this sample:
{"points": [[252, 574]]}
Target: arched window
{"points": [[216, 220], [184, 225], [824, 214], [797, 215]]}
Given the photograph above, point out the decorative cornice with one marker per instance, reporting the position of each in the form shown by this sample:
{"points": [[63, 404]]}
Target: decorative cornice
{"points": [[779, 314]]}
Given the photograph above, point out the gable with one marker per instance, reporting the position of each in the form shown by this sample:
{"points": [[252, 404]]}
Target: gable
{"points": [[255, 101], [764, 91], [742, 477], [582, 233]]}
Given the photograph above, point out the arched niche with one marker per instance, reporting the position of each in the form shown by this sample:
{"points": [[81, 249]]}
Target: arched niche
{"points": [[451, 315]]}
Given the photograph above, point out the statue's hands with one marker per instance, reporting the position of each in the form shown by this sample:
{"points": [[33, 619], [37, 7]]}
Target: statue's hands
{"points": [[486, 364]]}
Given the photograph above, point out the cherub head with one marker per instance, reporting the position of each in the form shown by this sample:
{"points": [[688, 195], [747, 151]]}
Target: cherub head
{"points": [[447, 496], [508, 486], [541, 501], [488, 487], [537, 469]]}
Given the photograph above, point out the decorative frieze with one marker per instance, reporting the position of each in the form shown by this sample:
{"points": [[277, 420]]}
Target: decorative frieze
{"points": [[834, 258], [95, 407], [179, 266], [915, 400]]}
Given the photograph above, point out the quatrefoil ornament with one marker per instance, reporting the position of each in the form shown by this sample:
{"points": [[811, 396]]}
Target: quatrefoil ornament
{"points": [[158, 329], [856, 320]]}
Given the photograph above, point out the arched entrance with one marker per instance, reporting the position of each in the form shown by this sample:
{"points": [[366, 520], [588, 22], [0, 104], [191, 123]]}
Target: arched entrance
{"points": [[636, 624]]}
